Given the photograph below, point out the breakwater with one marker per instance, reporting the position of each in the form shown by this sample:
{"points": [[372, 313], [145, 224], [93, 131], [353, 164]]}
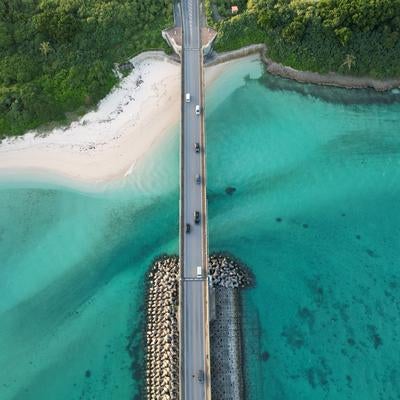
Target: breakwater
{"points": [[226, 278], [162, 335]]}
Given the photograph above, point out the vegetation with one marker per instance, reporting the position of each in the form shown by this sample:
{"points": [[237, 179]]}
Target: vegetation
{"points": [[360, 37], [224, 6], [234, 31], [58, 56], [238, 31]]}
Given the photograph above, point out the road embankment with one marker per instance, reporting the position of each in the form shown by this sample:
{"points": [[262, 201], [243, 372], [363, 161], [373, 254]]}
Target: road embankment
{"points": [[228, 277]]}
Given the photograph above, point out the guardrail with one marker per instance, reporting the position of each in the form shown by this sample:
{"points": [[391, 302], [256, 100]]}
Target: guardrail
{"points": [[181, 230]]}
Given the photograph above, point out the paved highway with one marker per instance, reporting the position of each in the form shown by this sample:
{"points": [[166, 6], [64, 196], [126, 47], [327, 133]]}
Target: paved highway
{"points": [[194, 243]]}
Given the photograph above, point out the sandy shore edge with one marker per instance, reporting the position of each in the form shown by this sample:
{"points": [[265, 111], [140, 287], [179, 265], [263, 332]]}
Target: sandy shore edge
{"points": [[107, 144], [330, 79]]}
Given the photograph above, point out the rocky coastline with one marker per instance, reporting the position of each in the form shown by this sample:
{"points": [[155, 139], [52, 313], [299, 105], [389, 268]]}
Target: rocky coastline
{"points": [[284, 71]]}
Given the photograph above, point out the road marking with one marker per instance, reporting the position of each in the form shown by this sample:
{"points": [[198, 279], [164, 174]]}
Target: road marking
{"points": [[184, 279]]}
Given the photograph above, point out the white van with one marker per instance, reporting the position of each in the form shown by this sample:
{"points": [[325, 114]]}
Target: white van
{"points": [[187, 97], [197, 110], [199, 272]]}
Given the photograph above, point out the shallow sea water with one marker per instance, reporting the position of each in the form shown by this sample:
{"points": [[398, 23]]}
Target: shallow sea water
{"points": [[315, 215], [72, 280]]}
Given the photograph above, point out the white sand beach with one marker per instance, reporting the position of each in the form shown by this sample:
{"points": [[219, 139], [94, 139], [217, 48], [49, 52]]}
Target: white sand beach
{"points": [[107, 143]]}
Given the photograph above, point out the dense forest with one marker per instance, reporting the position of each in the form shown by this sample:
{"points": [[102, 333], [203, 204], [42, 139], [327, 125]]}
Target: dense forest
{"points": [[360, 37], [58, 56]]}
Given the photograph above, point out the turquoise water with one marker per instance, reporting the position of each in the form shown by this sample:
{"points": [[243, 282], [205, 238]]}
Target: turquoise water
{"points": [[71, 282], [315, 215]]}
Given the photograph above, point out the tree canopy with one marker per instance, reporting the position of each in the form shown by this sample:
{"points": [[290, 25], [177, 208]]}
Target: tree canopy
{"points": [[324, 35], [57, 56], [359, 37]]}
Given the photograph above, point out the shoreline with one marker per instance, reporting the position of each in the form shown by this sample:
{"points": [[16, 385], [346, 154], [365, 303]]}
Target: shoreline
{"points": [[286, 72], [105, 146]]}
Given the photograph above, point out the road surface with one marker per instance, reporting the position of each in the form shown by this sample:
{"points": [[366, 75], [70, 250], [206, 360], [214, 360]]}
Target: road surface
{"points": [[193, 248]]}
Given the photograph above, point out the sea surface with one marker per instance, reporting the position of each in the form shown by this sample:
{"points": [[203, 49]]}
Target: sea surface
{"points": [[313, 210]]}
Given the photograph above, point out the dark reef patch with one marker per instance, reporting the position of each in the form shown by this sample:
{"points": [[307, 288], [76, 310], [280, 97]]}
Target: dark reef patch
{"points": [[230, 190], [374, 336], [318, 376], [317, 290], [265, 356], [307, 315], [371, 253], [295, 338], [351, 342]]}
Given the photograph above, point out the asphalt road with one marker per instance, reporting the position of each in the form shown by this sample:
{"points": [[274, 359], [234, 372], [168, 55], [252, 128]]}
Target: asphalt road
{"points": [[193, 199]]}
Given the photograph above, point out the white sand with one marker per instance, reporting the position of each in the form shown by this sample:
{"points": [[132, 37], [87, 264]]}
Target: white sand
{"points": [[106, 144]]}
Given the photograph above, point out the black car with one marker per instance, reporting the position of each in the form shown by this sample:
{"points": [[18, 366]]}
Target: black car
{"points": [[187, 228], [196, 216], [200, 376], [197, 147]]}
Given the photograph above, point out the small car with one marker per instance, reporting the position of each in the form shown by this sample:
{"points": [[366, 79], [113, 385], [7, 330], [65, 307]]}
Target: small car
{"points": [[187, 228], [197, 147], [200, 376], [197, 110], [198, 179], [196, 216], [187, 97]]}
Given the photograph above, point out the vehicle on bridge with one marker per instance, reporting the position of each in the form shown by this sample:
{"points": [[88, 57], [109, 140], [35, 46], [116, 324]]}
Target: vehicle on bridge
{"points": [[196, 216], [199, 272], [187, 228], [197, 109], [198, 179], [187, 97], [200, 376], [197, 147]]}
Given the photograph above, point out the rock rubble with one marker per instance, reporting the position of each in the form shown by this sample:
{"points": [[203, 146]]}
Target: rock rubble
{"points": [[228, 273], [162, 336], [162, 328]]}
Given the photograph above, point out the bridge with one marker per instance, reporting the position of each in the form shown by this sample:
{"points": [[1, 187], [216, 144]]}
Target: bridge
{"points": [[195, 380]]}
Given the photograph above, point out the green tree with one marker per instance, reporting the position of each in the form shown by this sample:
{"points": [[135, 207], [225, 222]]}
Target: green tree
{"points": [[349, 61], [45, 48]]}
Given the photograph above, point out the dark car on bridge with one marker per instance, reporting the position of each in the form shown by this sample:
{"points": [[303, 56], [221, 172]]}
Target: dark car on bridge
{"points": [[198, 179], [197, 147], [187, 228], [196, 216], [200, 376]]}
